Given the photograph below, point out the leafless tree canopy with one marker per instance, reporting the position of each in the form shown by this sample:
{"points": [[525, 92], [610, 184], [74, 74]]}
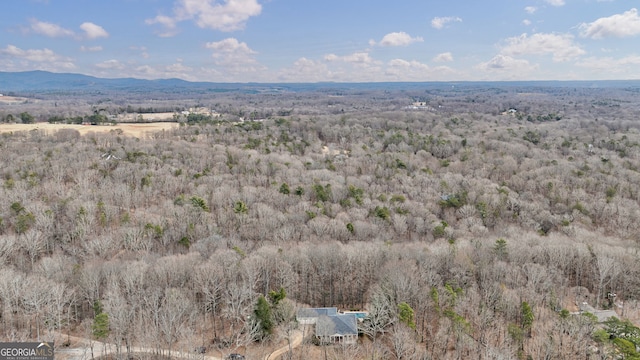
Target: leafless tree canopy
{"points": [[463, 202]]}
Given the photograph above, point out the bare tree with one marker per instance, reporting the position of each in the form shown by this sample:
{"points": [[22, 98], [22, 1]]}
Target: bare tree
{"points": [[607, 269], [381, 315], [33, 243], [403, 342], [209, 277], [175, 313]]}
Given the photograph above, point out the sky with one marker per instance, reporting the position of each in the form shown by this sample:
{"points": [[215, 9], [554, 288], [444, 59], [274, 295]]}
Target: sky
{"points": [[324, 41]]}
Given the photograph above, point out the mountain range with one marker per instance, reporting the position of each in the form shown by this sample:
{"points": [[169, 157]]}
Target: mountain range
{"points": [[39, 81], [44, 81]]}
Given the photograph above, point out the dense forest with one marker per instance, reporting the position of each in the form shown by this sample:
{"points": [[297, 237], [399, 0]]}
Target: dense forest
{"points": [[491, 213]]}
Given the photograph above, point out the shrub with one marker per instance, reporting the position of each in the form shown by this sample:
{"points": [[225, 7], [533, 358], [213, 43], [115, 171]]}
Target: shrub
{"points": [[456, 201], [323, 193], [532, 137], [382, 212], [240, 207], [350, 228], [184, 241], [284, 189], [439, 230], [199, 203]]}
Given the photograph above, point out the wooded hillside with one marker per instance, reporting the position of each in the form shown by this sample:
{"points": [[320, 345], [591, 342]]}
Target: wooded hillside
{"points": [[492, 226]]}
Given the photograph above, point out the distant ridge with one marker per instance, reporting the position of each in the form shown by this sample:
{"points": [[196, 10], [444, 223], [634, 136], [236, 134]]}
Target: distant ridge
{"points": [[47, 81], [44, 81]]}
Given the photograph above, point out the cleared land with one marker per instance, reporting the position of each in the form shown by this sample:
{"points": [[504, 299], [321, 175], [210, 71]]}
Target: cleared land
{"points": [[12, 100], [136, 130]]}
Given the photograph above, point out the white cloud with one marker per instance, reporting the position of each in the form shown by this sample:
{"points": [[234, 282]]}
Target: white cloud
{"points": [[225, 15], [93, 31], [14, 58], [147, 72], [331, 57], [357, 58], [440, 22], [443, 57], [502, 62], [611, 65], [555, 2], [404, 64], [561, 46], [31, 55], [90, 48], [236, 57], [530, 9], [141, 49], [362, 67], [115, 68], [110, 65], [178, 68], [358, 66], [229, 46], [398, 39], [404, 70], [508, 67], [49, 29], [168, 24], [399, 69], [305, 70], [619, 25], [526, 22]]}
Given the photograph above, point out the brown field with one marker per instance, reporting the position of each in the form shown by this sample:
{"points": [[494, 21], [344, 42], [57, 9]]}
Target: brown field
{"points": [[12, 100], [136, 130]]}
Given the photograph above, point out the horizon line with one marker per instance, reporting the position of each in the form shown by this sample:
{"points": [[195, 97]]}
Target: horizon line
{"points": [[326, 81]]}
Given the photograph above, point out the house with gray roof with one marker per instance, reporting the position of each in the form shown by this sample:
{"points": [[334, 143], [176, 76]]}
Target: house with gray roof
{"points": [[339, 328], [330, 325], [309, 316]]}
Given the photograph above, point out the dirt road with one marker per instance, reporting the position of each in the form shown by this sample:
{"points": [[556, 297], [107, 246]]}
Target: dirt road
{"points": [[81, 349], [85, 349], [296, 340]]}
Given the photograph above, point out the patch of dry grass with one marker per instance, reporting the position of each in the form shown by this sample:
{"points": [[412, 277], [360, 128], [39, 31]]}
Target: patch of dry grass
{"points": [[136, 130]]}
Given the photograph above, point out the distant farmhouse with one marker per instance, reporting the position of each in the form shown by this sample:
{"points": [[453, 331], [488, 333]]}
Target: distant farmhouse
{"points": [[420, 105], [202, 111], [331, 326], [166, 116]]}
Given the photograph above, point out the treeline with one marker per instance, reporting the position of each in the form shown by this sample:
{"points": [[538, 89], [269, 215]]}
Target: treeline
{"points": [[490, 238]]}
